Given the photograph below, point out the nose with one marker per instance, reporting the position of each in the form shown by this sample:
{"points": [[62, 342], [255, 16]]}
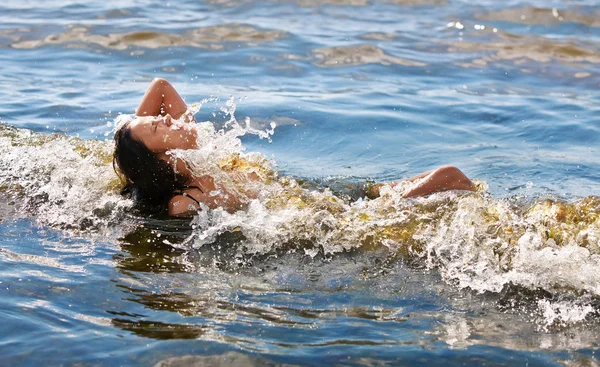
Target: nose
{"points": [[168, 120]]}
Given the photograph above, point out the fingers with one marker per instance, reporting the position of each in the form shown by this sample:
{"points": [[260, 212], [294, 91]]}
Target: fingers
{"points": [[167, 119], [190, 118], [187, 117]]}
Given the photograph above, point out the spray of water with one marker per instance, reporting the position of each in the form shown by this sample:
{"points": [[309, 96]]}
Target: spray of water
{"points": [[472, 239], [66, 182]]}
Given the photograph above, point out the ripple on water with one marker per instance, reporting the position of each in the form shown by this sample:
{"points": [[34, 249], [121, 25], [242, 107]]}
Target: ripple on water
{"points": [[114, 13], [44, 261], [233, 359], [521, 49], [122, 296], [541, 16], [357, 55], [379, 36], [214, 37], [317, 3], [417, 2]]}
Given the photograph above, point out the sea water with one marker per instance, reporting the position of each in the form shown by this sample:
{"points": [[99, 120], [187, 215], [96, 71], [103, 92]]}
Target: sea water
{"points": [[320, 96]]}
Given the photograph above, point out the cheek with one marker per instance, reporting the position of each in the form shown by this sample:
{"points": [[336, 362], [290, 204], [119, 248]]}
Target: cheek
{"points": [[154, 143], [159, 140], [149, 138], [181, 139]]}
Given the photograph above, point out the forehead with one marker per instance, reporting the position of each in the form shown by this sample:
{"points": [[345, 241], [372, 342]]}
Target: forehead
{"points": [[140, 128], [139, 121]]}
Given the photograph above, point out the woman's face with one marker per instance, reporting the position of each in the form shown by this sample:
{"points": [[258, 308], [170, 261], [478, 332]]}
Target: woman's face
{"points": [[161, 133]]}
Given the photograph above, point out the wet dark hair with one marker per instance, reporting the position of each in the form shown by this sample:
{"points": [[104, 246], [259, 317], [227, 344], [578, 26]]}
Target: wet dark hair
{"points": [[148, 179]]}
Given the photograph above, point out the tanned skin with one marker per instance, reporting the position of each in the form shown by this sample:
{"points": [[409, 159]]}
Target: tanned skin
{"points": [[154, 126]]}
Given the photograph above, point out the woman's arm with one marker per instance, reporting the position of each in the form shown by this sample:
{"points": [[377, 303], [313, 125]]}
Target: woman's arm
{"points": [[187, 202], [182, 206], [161, 99]]}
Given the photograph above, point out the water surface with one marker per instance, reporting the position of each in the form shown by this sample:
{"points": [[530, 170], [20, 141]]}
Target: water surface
{"points": [[358, 89]]}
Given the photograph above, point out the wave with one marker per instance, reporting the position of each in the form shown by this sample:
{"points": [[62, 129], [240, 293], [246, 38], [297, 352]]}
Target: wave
{"points": [[214, 37], [66, 182], [543, 245]]}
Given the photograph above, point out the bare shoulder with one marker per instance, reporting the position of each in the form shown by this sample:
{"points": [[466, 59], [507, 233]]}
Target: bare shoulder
{"points": [[182, 206]]}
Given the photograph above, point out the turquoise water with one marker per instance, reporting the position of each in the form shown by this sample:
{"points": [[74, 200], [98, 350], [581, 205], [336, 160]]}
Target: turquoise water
{"points": [[507, 91]]}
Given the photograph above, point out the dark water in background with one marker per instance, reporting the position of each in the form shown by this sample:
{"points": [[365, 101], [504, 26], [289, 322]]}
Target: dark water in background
{"points": [[507, 91]]}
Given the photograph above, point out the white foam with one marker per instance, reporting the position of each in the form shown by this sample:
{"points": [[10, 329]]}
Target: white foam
{"points": [[473, 240], [63, 180]]}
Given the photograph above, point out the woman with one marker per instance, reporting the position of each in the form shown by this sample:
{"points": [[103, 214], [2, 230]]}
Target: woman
{"points": [[154, 178]]}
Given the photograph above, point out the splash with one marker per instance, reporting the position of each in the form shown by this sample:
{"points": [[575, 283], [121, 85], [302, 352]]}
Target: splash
{"points": [[66, 182], [473, 240], [221, 155], [547, 246]]}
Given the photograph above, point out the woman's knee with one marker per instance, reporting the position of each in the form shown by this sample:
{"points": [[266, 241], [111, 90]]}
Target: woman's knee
{"points": [[448, 171], [159, 81]]}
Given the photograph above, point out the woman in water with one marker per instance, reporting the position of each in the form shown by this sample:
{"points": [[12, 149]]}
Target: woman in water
{"points": [[153, 177]]}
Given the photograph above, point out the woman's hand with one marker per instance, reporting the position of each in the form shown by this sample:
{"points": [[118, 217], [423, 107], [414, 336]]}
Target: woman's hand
{"points": [[188, 117]]}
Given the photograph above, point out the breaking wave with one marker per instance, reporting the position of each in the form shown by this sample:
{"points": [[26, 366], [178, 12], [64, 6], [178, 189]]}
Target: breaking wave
{"points": [[545, 248]]}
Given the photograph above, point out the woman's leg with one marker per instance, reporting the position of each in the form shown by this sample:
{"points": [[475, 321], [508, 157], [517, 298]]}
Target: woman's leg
{"points": [[442, 179]]}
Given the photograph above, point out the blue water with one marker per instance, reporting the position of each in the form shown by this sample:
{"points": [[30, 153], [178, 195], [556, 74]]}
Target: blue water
{"points": [[507, 91]]}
